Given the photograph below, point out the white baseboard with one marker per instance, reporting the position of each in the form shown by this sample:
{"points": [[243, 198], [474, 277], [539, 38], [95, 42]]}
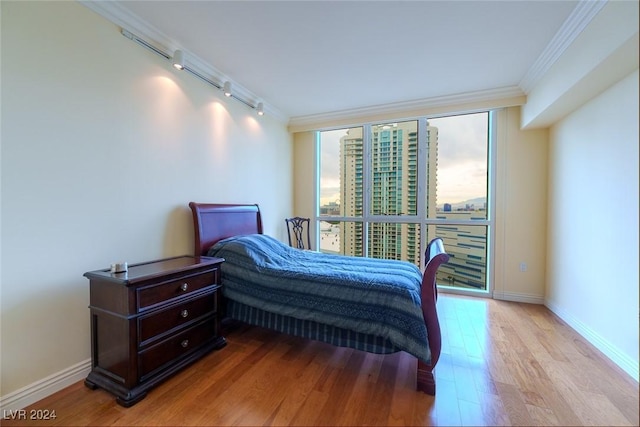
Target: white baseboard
{"points": [[518, 297], [621, 359], [38, 390]]}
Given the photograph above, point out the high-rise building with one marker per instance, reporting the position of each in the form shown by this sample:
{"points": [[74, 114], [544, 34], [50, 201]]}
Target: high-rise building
{"points": [[394, 189], [393, 173], [351, 190]]}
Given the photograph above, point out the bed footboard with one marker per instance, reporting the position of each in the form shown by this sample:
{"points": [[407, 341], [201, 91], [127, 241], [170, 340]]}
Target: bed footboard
{"points": [[429, 295]]}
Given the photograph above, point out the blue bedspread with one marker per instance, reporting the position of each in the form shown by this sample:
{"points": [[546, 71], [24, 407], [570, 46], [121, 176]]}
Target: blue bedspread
{"points": [[371, 296]]}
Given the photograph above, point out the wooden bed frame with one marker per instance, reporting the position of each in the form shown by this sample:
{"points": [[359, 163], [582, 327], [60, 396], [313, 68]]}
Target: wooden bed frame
{"points": [[214, 222]]}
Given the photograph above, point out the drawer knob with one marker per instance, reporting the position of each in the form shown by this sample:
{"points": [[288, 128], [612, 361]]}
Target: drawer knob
{"points": [[184, 287], [184, 343], [184, 313]]}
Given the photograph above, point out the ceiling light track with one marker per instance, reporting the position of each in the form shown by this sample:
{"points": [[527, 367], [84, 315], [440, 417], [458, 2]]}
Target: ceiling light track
{"points": [[144, 43], [179, 63]]}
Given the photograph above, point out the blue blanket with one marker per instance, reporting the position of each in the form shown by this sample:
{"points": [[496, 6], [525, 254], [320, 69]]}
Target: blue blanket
{"points": [[366, 295]]}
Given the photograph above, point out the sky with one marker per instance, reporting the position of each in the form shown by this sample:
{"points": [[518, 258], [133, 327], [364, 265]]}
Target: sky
{"points": [[462, 159]]}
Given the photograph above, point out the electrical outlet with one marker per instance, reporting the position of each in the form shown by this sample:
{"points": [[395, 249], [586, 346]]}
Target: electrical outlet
{"points": [[523, 266]]}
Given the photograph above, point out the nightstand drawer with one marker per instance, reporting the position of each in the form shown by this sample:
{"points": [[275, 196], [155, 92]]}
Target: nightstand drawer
{"points": [[158, 294], [179, 345], [154, 326]]}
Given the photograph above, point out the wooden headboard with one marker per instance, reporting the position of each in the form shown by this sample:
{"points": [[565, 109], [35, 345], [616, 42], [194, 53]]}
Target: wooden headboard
{"points": [[213, 222]]}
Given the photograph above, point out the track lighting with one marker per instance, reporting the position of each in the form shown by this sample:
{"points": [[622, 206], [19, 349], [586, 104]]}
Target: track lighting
{"points": [[178, 60]]}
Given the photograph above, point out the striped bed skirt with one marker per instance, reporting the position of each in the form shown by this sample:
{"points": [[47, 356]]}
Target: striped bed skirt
{"points": [[309, 329]]}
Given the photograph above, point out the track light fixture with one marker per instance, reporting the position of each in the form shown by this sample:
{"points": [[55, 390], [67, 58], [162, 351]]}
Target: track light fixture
{"points": [[178, 60]]}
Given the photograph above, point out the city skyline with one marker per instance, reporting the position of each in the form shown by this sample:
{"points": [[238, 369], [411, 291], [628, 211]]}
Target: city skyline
{"points": [[478, 203], [462, 159]]}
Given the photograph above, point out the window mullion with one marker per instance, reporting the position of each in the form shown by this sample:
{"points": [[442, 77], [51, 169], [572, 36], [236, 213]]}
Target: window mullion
{"points": [[422, 179], [367, 187]]}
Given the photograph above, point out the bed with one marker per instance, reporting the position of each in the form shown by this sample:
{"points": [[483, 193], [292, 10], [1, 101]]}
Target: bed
{"points": [[374, 305]]}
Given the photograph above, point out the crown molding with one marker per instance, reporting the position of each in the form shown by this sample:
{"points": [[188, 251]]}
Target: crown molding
{"points": [[572, 27], [133, 26], [462, 102]]}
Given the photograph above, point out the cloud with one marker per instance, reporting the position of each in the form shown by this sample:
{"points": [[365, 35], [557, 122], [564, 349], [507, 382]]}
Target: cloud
{"points": [[461, 181], [462, 156], [462, 138], [330, 165], [330, 155]]}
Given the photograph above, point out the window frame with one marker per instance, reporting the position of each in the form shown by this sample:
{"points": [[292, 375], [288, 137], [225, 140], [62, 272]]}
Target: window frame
{"points": [[421, 217]]}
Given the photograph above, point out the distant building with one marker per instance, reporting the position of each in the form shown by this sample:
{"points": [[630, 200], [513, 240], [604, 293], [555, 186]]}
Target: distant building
{"points": [[467, 249], [330, 209]]}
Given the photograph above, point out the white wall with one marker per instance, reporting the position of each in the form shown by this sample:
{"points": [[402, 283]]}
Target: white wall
{"points": [[520, 215], [592, 261], [103, 146]]}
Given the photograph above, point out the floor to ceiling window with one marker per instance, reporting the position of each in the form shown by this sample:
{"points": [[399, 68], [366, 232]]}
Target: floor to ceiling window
{"points": [[386, 189]]}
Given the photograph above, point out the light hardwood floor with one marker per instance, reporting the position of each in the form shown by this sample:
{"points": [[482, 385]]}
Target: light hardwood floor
{"points": [[503, 363]]}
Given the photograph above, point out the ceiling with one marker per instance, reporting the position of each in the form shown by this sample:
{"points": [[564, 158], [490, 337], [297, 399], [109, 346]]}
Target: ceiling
{"points": [[306, 58]]}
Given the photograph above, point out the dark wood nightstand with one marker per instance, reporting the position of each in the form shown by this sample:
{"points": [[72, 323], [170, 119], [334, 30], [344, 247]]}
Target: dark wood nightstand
{"points": [[151, 321]]}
